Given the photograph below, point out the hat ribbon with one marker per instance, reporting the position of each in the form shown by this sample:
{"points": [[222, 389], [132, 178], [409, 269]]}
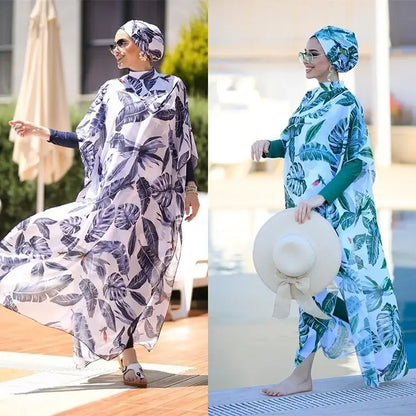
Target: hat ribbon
{"points": [[296, 288]]}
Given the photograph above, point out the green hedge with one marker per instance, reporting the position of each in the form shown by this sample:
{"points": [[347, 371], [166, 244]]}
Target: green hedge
{"points": [[189, 59], [19, 198]]}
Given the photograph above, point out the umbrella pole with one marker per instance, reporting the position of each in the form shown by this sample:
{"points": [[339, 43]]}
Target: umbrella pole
{"points": [[40, 194]]}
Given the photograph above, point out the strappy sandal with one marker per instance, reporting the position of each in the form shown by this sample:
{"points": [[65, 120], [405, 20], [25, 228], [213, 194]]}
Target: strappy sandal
{"points": [[140, 381]]}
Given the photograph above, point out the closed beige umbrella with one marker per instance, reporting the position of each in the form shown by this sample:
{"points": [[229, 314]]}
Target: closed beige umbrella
{"points": [[42, 99]]}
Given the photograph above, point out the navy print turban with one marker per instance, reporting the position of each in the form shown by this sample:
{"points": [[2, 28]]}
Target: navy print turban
{"points": [[340, 47], [147, 37]]}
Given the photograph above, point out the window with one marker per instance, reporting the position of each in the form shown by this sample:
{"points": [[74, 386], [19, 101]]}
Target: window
{"points": [[101, 20], [6, 13], [402, 23]]}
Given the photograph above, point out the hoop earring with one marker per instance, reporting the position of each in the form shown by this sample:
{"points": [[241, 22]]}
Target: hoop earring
{"points": [[142, 56], [331, 74]]}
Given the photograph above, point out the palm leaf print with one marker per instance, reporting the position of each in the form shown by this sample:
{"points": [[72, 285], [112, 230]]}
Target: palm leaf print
{"points": [[349, 281], [101, 223], [165, 115], [358, 135], [138, 297], [132, 242], [374, 292], [151, 234], [162, 190], [8, 264], [131, 113], [388, 328], [365, 346], [42, 224], [124, 312], [398, 364], [296, 179], [316, 151], [359, 241], [67, 300], [150, 332], [141, 278], [90, 294], [347, 219], [347, 99], [338, 137], [126, 216], [147, 152], [40, 290], [116, 249], [115, 288], [82, 331], [313, 131], [9, 304], [38, 269], [373, 241], [288, 200], [108, 314], [144, 191], [320, 112]]}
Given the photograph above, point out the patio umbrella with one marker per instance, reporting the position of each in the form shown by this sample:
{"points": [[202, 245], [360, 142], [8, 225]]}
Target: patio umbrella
{"points": [[42, 99]]}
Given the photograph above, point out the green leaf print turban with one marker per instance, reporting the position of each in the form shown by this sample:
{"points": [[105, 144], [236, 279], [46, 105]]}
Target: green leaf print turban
{"points": [[147, 37], [340, 47]]}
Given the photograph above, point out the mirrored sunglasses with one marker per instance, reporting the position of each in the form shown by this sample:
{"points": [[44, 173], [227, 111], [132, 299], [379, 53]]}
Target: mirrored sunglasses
{"points": [[306, 57], [121, 43]]}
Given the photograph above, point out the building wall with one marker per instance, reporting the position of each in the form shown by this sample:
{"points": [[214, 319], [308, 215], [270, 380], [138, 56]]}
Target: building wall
{"points": [[262, 39]]}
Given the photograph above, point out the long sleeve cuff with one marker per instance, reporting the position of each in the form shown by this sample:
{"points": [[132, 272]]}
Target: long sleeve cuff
{"points": [[64, 138], [276, 149], [190, 174], [342, 180]]}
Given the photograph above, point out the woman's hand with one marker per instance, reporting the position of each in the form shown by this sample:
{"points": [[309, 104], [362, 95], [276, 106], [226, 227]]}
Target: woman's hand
{"points": [[191, 201], [24, 128], [258, 148], [304, 208]]}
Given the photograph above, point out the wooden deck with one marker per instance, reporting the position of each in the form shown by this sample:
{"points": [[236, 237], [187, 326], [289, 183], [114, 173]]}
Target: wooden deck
{"points": [[177, 370]]}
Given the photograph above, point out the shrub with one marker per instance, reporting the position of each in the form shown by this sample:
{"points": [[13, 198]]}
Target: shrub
{"points": [[189, 59]]}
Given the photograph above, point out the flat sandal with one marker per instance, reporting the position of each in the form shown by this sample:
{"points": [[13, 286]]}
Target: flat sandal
{"points": [[140, 381]]}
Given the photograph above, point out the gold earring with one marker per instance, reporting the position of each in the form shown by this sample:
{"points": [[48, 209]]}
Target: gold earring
{"points": [[142, 56], [331, 74]]}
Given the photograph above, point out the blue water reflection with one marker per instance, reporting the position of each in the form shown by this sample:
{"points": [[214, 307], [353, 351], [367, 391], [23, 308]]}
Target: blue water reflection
{"points": [[404, 271], [232, 234]]}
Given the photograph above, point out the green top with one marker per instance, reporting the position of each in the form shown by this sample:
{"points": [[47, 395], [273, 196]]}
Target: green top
{"points": [[335, 188]]}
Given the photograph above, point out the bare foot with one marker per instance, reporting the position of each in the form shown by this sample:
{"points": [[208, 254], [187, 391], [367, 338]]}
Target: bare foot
{"points": [[290, 385]]}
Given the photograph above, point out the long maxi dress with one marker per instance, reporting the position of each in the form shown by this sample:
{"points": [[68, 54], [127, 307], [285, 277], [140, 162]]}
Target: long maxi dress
{"points": [[102, 268], [326, 132]]}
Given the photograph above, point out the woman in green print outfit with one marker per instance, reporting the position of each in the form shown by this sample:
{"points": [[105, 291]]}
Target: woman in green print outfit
{"points": [[329, 168]]}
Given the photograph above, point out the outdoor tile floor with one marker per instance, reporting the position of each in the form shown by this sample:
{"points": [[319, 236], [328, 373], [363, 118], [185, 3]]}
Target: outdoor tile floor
{"points": [[38, 378]]}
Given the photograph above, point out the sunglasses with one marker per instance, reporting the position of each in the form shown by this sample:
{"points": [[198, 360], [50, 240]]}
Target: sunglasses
{"points": [[307, 57], [121, 44]]}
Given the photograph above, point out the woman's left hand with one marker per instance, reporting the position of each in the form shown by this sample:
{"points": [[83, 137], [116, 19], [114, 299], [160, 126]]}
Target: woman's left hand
{"points": [[191, 205], [304, 208]]}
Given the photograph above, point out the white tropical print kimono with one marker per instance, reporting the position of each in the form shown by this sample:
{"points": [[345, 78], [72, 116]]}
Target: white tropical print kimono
{"points": [[326, 131], [102, 268]]}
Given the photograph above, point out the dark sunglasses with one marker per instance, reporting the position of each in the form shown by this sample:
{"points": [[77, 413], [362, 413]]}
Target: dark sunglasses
{"points": [[121, 43]]}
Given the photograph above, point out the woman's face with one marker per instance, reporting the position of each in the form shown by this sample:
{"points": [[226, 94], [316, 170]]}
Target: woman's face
{"points": [[319, 68], [126, 51]]}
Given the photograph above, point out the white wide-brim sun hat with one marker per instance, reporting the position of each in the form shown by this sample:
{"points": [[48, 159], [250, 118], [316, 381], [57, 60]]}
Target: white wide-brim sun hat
{"points": [[296, 261]]}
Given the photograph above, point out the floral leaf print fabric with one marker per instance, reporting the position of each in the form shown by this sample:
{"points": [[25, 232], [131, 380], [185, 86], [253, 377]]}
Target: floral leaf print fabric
{"points": [[102, 268], [325, 132]]}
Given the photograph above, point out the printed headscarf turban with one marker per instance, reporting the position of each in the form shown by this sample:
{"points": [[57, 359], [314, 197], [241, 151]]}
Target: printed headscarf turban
{"points": [[147, 37], [340, 47]]}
